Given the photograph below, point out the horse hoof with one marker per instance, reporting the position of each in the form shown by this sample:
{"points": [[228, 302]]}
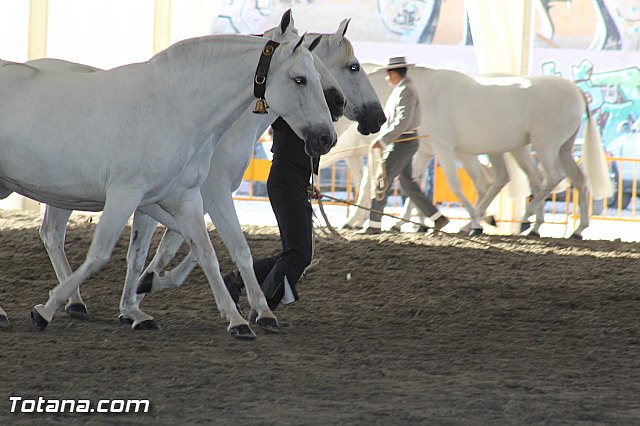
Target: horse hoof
{"points": [[524, 226], [270, 325], [475, 232], [146, 325], [491, 220], [124, 320], [242, 332], [77, 311], [4, 323], [533, 234], [576, 237], [38, 323], [146, 284]]}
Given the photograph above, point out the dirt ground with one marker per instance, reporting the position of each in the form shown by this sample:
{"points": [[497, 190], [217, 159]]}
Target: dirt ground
{"points": [[427, 330]]}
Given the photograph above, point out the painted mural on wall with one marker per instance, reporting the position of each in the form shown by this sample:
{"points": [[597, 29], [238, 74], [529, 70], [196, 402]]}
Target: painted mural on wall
{"points": [[613, 96], [581, 24], [604, 27]]}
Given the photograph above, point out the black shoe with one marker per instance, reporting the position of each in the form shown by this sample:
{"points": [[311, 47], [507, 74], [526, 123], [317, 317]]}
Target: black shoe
{"points": [[233, 282], [369, 231], [440, 223]]}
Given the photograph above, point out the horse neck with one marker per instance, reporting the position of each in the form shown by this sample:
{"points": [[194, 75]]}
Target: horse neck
{"points": [[203, 73], [245, 131]]}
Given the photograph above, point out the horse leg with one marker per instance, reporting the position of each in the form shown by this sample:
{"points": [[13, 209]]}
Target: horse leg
{"points": [[118, 208], [360, 215], [579, 182], [501, 178], [52, 234], [151, 280], [141, 235], [553, 171], [223, 214], [479, 176], [447, 163], [169, 244], [186, 208], [528, 165]]}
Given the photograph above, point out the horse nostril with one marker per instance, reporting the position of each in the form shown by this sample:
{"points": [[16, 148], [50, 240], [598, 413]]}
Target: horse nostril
{"points": [[325, 141], [381, 118], [340, 101]]}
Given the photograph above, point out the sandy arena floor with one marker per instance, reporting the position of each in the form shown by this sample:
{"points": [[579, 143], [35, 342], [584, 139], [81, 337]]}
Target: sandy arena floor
{"points": [[437, 331]]}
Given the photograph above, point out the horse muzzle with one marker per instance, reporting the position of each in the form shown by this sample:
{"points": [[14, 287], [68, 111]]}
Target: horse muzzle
{"points": [[371, 119], [318, 141], [336, 102]]}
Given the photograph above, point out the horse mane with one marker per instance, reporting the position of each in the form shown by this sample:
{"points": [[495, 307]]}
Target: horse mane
{"points": [[20, 65], [216, 43]]}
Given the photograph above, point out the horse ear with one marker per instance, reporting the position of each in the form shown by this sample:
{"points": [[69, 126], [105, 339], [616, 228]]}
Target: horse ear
{"points": [[340, 32], [315, 42], [343, 26], [298, 43], [286, 20]]}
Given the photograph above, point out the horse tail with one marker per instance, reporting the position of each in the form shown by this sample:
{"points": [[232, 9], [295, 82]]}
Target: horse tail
{"points": [[595, 162]]}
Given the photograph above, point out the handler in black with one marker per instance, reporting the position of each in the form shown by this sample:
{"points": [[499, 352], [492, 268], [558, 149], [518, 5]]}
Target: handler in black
{"points": [[289, 194]]}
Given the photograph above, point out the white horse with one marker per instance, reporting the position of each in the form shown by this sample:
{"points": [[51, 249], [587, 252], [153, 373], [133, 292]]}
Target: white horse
{"points": [[142, 136], [226, 171], [233, 154], [495, 115], [353, 147], [464, 117]]}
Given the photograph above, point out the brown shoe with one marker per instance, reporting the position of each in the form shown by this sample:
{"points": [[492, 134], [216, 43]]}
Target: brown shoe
{"points": [[440, 223]]}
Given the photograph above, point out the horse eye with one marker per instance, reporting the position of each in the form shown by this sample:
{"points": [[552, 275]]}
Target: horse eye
{"points": [[355, 67], [300, 80]]}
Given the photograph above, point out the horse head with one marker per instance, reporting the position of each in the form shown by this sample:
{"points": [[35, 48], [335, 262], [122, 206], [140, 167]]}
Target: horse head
{"points": [[336, 53], [286, 32], [293, 91]]}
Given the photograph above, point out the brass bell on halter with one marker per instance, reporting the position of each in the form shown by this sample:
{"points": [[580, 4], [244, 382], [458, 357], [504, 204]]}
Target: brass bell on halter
{"points": [[261, 107]]}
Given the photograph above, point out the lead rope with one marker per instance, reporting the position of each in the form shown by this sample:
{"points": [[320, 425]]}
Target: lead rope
{"points": [[461, 237], [314, 261]]}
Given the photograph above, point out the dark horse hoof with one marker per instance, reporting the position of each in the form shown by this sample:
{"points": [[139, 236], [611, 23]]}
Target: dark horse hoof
{"points": [[77, 311], [38, 323], [124, 320], [270, 325], [242, 332], [533, 234], [475, 232], [4, 323], [524, 226], [576, 237], [146, 325], [491, 220], [146, 284]]}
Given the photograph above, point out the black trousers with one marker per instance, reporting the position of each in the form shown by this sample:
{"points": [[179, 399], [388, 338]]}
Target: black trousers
{"points": [[287, 188]]}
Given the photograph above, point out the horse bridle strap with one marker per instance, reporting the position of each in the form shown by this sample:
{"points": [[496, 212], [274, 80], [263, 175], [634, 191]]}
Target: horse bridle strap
{"points": [[260, 80]]}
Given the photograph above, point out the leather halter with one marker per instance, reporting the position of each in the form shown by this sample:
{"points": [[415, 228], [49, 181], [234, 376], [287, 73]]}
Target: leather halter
{"points": [[260, 80]]}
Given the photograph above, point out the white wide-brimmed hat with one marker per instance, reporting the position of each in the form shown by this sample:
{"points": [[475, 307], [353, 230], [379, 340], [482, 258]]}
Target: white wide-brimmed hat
{"points": [[396, 62]]}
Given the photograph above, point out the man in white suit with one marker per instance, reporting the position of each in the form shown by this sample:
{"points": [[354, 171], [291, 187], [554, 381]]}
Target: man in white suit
{"points": [[399, 138]]}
